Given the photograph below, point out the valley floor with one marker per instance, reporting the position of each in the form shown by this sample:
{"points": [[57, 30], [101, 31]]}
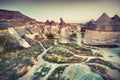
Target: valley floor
{"points": [[49, 60]]}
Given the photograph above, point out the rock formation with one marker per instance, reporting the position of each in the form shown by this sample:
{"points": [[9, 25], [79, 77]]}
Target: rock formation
{"points": [[51, 27], [62, 23], [116, 22], [47, 22], [79, 72], [104, 31], [6, 15], [65, 32], [21, 41]]}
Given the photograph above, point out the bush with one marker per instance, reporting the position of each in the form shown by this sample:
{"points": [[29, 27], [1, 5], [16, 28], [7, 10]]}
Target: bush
{"points": [[74, 35], [6, 42], [23, 36], [36, 36], [55, 58], [49, 36]]}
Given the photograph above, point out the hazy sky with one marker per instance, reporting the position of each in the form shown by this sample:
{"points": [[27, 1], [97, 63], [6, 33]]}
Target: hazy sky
{"points": [[70, 10]]}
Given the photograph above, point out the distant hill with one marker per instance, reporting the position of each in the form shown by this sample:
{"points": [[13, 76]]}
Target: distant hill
{"points": [[8, 15]]}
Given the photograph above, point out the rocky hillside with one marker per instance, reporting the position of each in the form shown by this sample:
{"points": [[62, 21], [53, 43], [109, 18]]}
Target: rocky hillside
{"points": [[6, 15]]}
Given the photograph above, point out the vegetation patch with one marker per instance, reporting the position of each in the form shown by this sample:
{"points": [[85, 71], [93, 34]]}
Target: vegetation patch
{"points": [[7, 43], [60, 55], [48, 43], [55, 58], [98, 70], [24, 57], [78, 49], [49, 36], [40, 74], [57, 73], [57, 55], [106, 63]]}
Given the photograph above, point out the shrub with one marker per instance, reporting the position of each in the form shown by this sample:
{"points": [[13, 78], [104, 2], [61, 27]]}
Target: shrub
{"points": [[23, 36], [36, 36], [49, 36], [6, 42]]}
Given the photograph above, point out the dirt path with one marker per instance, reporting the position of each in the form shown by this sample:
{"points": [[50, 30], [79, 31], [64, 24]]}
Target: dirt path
{"points": [[29, 75]]}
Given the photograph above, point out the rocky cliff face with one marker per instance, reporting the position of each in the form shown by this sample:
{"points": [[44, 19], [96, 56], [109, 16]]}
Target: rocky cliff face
{"points": [[20, 40], [6, 15], [101, 38]]}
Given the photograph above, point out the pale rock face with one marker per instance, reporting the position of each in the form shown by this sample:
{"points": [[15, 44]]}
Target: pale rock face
{"points": [[103, 32], [73, 72], [79, 38], [78, 28], [40, 31], [79, 72], [31, 31], [101, 37], [54, 30], [46, 29], [31, 36], [20, 30], [21, 41], [64, 35]]}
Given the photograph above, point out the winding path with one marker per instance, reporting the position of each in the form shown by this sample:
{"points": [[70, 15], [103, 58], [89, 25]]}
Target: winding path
{"points": [[30, 74]]}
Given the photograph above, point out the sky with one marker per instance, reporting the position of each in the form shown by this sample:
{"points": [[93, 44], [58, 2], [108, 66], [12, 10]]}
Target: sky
{"points": [[72, 11]]}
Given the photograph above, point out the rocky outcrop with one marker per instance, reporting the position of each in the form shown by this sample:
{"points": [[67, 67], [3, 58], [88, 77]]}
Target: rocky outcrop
{"points": [[65, 33], [51, 27], [62, 23], [47, 22], [104, 19], [103, 31], [79, 72], [105, 23], [101, 37], [116, 22], [6, 15], [20, 40]]}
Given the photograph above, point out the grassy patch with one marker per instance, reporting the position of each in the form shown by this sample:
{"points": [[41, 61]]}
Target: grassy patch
{"points": [[57, 73], [57, 55], [48, 43], [106, 63], [15, 59], [41, 74], [77, 49]]}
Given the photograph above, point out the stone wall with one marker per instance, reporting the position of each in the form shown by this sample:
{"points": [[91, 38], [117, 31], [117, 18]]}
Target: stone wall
{"points": [[93, 37]]}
